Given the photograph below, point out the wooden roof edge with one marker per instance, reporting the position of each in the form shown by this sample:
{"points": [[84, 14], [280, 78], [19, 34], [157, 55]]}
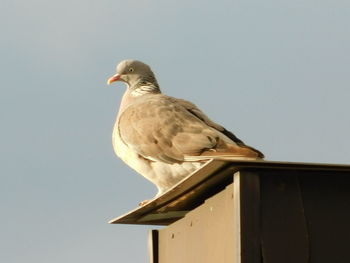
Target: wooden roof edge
{"points": [[159, 210]]}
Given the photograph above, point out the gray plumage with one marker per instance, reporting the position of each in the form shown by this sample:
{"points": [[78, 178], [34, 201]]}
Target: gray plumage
{"points": [[164, 138]]}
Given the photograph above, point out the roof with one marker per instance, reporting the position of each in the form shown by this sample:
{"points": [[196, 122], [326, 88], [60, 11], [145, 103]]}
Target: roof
{"points": [[203, 183]]}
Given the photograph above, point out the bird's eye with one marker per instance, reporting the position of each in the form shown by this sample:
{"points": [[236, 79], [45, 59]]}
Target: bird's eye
{"points": [[131, 70]]}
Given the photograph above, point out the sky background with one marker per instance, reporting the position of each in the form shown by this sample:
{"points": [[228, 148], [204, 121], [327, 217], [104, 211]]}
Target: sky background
{"points": [[274, 72]]}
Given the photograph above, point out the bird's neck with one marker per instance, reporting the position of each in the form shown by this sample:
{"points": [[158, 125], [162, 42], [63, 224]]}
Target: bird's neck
{"points": [[134, 92], [144, 86]]}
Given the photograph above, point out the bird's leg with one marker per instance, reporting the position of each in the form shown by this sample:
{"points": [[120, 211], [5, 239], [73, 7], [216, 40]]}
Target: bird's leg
{"points": [[144, 202]]}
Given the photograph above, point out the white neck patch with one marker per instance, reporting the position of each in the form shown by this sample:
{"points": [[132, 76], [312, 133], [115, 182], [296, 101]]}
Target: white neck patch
{"points": [[143, 90]]}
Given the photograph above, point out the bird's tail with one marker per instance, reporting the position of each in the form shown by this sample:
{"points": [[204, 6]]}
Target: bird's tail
{"points": [[232, 152], [219, 157]]}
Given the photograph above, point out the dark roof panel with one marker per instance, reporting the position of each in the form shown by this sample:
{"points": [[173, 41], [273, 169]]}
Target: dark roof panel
{"points": [[203, 183]]}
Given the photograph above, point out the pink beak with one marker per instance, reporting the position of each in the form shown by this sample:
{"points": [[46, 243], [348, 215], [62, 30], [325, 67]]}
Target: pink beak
{"points": [[114, 78]]}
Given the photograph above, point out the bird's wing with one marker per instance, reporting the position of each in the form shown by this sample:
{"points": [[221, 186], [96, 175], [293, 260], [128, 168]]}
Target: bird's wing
{"points": [[162, 128], [197, 112]]}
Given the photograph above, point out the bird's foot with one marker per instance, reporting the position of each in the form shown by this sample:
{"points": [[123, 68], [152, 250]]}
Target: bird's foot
{"points": [[144, 202]]}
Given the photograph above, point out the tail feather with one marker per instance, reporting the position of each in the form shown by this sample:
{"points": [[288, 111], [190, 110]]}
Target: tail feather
{"points": [[201, 158], [232, 152]]}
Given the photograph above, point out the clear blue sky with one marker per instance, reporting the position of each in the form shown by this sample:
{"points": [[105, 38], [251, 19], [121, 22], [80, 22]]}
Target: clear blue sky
{"points": [[276, 73]]}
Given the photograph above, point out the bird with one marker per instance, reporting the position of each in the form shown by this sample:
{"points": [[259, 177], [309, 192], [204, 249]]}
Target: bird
{"points": [[164, 138]]}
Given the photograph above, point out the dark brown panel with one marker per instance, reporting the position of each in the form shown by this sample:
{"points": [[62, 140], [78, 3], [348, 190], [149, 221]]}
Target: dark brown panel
{"points": [[327, 208], [284, 231], [153, 246], [250, 213]]}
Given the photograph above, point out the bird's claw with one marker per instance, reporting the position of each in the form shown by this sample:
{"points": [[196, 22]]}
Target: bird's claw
{"points": [[144, 202]]}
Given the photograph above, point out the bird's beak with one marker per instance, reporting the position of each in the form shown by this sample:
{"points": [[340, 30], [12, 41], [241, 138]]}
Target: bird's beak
{"points": [[114, 78]]}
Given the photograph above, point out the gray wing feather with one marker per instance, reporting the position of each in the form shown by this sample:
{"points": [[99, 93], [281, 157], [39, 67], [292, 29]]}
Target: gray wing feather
{"points": [[197, 112], [162, 128]]}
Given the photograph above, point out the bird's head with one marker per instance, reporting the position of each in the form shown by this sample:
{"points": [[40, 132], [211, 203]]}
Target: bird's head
{"points": [[135, 73]]}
